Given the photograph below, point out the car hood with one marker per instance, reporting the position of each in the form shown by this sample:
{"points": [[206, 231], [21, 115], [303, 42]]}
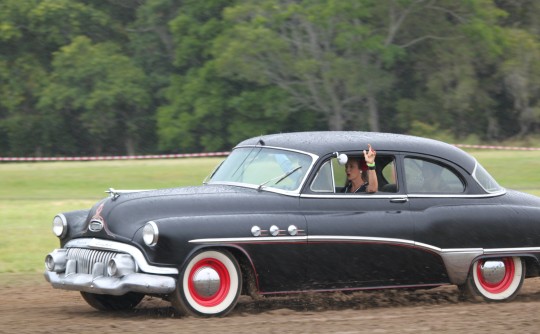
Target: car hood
{"points": [[124, 215]]}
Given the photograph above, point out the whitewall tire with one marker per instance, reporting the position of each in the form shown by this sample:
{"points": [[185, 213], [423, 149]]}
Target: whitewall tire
{"points": [[209, 285], [495, 279]]}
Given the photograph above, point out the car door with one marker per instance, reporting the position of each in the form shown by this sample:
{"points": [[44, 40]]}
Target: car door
{"points": [[360, 240], [449, 213], [440, 206]]}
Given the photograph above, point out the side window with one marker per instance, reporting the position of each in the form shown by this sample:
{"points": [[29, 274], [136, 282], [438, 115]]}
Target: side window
{"points": [[387, 179], [323, 181], [340, 178], [486, 181], [331, 177], [426, 177]]}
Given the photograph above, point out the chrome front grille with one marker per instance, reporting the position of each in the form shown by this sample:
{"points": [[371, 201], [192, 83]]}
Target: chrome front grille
{"points": [[87, 258]]}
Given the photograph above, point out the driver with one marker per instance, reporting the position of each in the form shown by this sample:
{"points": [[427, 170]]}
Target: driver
{"points": [[361, 175]]}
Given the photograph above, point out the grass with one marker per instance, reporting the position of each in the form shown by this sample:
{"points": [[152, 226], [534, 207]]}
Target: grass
{"points": [[89, 180], [519, 170], [32, 193], [26, 231]]}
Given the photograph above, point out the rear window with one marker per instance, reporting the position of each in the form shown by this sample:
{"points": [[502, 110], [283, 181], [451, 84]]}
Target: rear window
{"points": [[485, 179], [428, 177]]}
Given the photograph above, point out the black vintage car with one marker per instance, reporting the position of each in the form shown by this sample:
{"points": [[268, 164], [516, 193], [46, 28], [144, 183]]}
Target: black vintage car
{"points": [[272, 218]]}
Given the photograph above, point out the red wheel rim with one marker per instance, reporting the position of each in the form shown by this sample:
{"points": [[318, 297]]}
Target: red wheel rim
{"points": [[224, 283], [504, 283]]}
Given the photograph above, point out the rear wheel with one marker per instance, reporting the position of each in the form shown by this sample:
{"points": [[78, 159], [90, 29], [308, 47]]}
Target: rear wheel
{"points": [[495, 279], [112, 303], [209, 285]]}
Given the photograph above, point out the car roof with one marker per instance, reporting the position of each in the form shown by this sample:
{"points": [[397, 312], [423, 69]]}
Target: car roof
{"points": [[323, 142]]}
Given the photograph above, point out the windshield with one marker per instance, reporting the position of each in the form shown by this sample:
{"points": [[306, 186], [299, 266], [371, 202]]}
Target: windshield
{"points": [[264, 168]]}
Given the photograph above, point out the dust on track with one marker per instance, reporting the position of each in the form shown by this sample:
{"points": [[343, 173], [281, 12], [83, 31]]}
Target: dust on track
{"points": [[29, 305]]}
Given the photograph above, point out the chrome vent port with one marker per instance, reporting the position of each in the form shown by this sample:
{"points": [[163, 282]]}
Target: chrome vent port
{"points": [[86, 260]]}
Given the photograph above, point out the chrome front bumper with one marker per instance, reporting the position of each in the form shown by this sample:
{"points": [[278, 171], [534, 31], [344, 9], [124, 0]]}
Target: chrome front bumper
{"points": [[136, 282], [106, 267]]}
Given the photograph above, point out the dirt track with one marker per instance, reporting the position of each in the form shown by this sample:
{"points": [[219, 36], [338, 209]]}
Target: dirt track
{"points": [[29, 305]]}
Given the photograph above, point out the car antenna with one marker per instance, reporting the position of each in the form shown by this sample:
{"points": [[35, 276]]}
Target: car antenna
{"points": [[261, 142]]}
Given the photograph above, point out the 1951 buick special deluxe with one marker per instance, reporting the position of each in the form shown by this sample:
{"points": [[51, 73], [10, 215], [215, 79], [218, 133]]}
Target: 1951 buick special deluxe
{"points": [[272, 218]]}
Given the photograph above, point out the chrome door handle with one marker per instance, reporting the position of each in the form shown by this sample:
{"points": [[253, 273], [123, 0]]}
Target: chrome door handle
{"points": [[399, 200]]}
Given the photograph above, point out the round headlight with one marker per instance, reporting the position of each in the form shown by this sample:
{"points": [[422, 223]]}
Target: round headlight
{"points": [[59, 226], [150, 233]]}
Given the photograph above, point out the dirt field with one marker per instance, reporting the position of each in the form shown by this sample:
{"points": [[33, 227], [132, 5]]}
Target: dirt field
{"points": [[29, 305]]}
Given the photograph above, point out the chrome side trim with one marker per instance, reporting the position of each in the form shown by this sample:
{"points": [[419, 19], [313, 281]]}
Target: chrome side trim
{"points": [[122, 248], [444, 250], [361, 239], [395, 196], [344, 196], [249, 240], [495, 251], [457, 261], [493, 194]]}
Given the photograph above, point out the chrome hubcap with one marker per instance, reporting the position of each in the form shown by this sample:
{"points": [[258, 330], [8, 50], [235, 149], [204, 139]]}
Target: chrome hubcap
{"points": [[206, 281], [493, 271]]}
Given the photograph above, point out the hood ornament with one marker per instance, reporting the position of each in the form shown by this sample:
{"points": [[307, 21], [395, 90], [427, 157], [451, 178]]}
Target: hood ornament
{"points": [[113, 193]]}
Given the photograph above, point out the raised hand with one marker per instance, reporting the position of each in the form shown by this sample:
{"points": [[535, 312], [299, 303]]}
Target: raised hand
{"points": [[370, 155]]}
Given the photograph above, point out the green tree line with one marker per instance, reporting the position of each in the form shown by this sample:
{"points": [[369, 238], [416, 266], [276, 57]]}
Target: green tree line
{"points": [[90, 77]]}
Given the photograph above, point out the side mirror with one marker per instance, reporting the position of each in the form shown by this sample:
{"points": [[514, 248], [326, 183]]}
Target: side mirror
{"points": [[342, 158]]}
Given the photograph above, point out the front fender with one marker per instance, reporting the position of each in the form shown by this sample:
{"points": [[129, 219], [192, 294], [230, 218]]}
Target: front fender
{"points": [[76, 224]]}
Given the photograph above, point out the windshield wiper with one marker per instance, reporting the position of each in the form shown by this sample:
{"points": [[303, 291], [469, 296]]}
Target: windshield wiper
{"points": [[279, 178]]}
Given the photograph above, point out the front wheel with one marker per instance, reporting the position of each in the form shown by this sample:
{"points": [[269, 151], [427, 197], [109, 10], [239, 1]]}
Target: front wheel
{"points": [[495, 279], [209, 285]]}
